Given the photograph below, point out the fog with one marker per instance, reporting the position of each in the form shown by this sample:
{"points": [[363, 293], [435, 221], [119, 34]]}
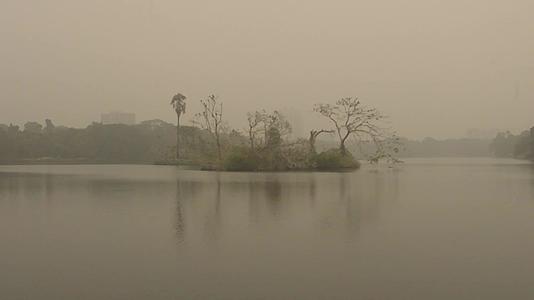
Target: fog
{"points": [[437, 68]]}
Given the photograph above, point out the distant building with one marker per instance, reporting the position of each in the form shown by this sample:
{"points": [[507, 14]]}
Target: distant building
{"points": [[118, 118]]}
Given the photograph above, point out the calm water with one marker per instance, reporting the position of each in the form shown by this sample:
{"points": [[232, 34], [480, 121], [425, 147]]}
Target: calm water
{"points": [[429, 229]]}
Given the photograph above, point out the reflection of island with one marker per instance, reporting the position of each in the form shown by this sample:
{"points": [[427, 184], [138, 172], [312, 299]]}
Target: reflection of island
{"points": [[205, 206], [237, 203]]}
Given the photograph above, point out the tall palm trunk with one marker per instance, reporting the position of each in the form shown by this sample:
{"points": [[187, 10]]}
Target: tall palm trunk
{"points": [[178, 136]]}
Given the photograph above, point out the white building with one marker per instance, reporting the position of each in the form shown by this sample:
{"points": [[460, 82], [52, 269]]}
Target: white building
{"points": [[118, 118]]}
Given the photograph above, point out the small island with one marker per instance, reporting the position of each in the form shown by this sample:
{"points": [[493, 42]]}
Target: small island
{"points": [[265, 145]]}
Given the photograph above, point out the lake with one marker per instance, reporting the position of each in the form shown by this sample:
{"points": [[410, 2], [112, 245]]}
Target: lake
{"points": [[426, 229]]}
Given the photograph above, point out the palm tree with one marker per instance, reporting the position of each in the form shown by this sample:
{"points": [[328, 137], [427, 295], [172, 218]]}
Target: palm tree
{"points": [[178, 104]]}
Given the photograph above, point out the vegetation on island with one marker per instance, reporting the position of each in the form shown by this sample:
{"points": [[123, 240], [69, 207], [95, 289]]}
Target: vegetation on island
{"points": [[265, 145]]}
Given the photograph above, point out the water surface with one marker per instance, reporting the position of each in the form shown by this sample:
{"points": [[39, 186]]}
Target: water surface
{"points": [[429, 229]]}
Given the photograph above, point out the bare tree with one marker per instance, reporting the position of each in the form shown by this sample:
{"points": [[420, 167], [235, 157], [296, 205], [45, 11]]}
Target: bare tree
{"points": [[210, 119], [385, 146], [178, 104], [276, 121], [255, 119], [313, 138], [351, 118], [262, 122]]}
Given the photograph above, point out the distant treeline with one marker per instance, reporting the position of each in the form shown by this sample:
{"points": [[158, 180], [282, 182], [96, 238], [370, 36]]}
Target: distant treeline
{"points": [[146, 142], [154, 140], [427, 147], [521, 146]]}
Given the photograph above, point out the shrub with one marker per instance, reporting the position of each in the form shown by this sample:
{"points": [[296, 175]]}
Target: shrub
{"points": [[298, 156], [334, 159], [241, 159]]}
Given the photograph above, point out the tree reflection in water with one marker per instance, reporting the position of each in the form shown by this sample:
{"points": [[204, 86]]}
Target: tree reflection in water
{"points": [[208, 205]]}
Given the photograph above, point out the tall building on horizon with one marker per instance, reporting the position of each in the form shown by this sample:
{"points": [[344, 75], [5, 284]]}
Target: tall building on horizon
{"points": [[116, 117]]}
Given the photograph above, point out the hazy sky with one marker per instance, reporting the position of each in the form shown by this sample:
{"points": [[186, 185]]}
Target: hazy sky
{"points": [[435, 67]]}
